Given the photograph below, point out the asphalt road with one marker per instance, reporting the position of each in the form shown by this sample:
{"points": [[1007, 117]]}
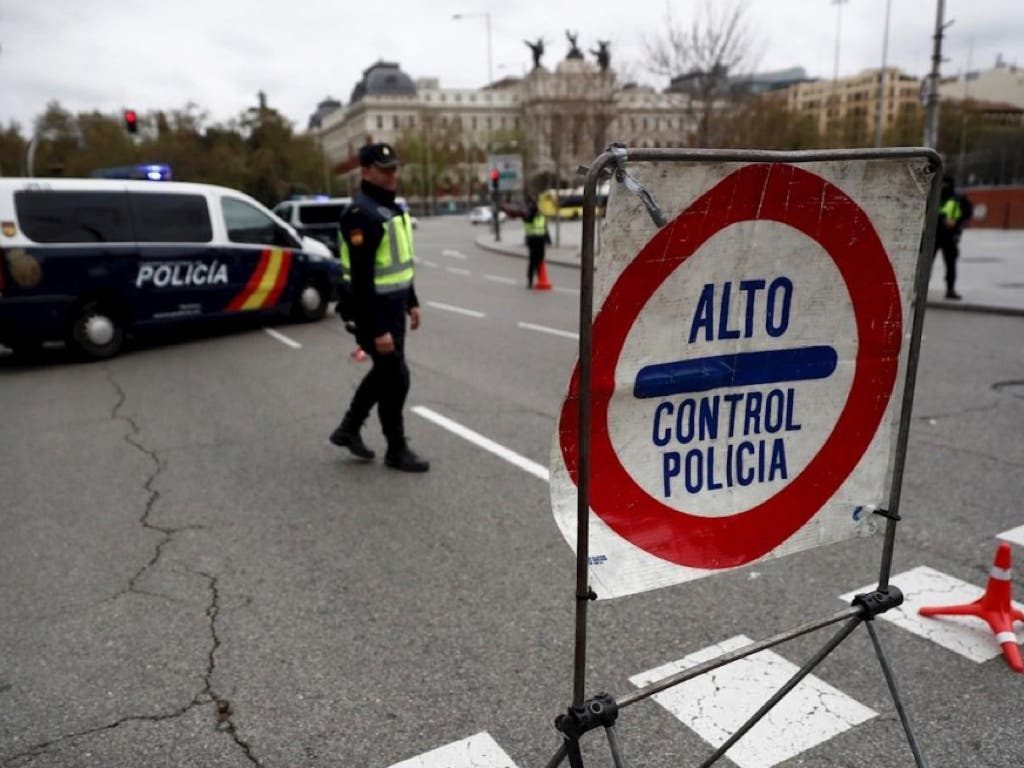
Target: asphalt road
{"points": [[190, 574]]}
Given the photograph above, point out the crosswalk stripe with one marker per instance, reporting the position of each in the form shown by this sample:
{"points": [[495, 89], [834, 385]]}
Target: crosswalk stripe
{"points": [[964, 635], [477, 751], [716, 704], [1014, 536]]}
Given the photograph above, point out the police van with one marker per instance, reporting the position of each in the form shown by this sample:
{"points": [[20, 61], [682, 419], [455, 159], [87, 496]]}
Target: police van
{"points": [[88, 260]]}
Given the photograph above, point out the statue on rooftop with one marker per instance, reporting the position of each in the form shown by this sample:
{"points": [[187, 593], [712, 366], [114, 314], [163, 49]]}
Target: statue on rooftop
{"points": [[574, 50], [604, 57], [537, 49]]}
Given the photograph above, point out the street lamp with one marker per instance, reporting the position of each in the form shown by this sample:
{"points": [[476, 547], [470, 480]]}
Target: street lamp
{"points": [[881, 78], [486, 15], [835, 64]]}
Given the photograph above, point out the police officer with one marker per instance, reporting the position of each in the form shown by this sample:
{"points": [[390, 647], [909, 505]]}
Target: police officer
{"points": [[377, 261], [947, 235], [535, 229]]}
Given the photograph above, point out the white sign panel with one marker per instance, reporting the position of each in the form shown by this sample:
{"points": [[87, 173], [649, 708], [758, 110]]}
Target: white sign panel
{"points": [[748, 365]]}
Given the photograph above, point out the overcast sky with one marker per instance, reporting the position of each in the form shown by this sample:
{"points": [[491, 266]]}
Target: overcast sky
{"points": [[163, 54]]}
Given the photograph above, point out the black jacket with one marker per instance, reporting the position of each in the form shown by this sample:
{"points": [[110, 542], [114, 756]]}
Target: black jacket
{"points": [[374, 314]]}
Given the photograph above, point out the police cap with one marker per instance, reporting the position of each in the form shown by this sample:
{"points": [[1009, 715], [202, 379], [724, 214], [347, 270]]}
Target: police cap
{"points": [[380, 154]]}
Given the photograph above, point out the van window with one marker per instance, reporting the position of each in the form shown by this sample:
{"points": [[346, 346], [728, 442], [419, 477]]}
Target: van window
{"points": [[167, 218], [248, 224], [74, 217], [320, 214]]}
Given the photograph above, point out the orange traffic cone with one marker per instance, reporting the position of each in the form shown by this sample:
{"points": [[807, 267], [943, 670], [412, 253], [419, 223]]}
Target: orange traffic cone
{"points": [[994, 607], [542, 284], [358, 355]]}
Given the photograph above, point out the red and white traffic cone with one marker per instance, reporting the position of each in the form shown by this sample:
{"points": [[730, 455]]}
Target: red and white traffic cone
{"points": [[994, 607], [542, 284]]}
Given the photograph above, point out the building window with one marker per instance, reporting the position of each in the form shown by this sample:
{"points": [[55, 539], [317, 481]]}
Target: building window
{"points": [[394, 122], [380, 121]]}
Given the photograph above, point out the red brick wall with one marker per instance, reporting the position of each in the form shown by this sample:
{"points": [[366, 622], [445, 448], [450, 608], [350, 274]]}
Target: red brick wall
{"points": [[997, 207]]}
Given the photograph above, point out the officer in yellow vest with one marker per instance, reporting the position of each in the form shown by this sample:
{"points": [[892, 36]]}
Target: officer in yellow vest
{"points": [[377, 261], [535, 229], [947, 235]]}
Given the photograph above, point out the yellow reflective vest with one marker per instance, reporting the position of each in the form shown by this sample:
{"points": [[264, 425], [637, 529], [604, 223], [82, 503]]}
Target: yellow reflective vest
{"points": [[535, 227], [393, 262]]}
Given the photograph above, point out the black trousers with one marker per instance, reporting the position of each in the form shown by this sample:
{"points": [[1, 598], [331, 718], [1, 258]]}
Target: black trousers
{"points": [[950, 248], [535, 246], [386, 386]]}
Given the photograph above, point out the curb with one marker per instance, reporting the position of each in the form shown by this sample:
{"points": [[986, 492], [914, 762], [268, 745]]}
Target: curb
{"points": [[938, 304]]}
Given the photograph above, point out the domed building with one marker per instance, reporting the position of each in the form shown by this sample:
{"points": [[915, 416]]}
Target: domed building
{"points": [[553, 119]]}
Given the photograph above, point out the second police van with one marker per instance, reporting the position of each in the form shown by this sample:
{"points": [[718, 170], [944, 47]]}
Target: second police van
{"points": [[87, 260]]}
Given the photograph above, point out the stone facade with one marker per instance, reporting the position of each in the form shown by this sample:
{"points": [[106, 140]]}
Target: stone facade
{"points": [[565, 117]]}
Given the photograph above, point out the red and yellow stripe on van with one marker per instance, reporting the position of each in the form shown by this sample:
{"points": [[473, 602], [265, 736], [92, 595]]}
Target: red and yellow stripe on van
{"points": [[266, 283]]}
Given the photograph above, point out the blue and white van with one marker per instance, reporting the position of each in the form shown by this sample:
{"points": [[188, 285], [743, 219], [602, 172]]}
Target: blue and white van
{"points": [[88, 260]]}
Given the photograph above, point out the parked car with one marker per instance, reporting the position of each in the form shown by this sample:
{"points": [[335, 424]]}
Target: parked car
{"points": [[482, 215], [90, 260]]}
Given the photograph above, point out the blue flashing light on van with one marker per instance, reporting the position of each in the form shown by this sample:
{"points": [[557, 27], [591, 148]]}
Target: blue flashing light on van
{"points": [[142, 171]]}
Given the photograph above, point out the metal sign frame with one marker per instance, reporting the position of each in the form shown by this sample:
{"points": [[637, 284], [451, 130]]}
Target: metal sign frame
{"points": [[601, 710]]}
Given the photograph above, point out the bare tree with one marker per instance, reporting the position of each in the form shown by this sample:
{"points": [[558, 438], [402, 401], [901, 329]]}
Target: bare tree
{"points": [[701, 58]]}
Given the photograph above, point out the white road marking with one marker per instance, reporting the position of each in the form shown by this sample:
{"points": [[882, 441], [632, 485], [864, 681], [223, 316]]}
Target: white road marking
{"points": [[457, 310], [478, 751], [501, 279], [427, 262], [458, 271], [453, 254], [1014, 536], [964, 635], [487, 444], [552, 331], [573, 291], [283, 339], [716, 704]]}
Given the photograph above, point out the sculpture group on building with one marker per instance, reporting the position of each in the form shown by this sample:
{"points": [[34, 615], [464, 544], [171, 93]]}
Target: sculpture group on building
{"points": [[602, 54]]}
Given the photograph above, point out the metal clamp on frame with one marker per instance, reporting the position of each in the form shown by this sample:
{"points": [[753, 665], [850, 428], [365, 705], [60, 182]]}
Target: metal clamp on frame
{"points": [[879, 601], [625, 177], [601, 711]]}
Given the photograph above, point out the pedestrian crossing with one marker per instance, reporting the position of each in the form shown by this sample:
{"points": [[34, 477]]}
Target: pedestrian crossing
{"points": [[716, 704]]}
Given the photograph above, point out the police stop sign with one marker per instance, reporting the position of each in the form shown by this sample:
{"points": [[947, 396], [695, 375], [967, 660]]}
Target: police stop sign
{"points": [[747, 367]]}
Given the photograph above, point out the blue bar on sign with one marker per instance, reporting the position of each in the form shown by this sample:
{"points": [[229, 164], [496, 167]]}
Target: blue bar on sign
{"points": [[742, 369]]}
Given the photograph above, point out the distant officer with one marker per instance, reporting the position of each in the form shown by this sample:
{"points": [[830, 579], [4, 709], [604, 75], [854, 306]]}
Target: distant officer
{"points": [[952, 216], [535, 228], [377, 258]]}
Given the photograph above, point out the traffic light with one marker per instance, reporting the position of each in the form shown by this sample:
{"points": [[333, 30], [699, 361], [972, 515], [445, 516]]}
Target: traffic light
{"points": [[131, 121], [494, 179]]}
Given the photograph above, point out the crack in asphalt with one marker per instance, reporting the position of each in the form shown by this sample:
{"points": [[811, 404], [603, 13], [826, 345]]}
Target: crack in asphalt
{"points": [[202, 698], [207, 695]]}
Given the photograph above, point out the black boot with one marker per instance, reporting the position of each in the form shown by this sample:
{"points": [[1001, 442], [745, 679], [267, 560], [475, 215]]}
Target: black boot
{"points": [[347, 436], [402, 458]]}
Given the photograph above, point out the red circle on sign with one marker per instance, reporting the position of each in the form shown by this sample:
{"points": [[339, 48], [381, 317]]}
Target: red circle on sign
{"points": [[766, 192]]}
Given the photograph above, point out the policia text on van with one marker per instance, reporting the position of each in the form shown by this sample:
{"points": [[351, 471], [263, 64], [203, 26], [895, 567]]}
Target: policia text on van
{"points": [[85, 260]]}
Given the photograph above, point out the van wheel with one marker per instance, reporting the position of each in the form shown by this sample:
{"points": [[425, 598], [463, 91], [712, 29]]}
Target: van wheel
{"points": [[310, 303], [96, 332]]}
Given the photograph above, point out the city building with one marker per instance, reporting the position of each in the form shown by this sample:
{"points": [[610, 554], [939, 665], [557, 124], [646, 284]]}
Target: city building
{"points": [[1004, 83], [850, 104], [556, 119]]}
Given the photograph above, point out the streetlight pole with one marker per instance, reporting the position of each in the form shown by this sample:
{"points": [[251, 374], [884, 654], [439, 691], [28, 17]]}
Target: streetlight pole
{"points": [[881, 78], [835, 63], [931, 113], [490, 103]]}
